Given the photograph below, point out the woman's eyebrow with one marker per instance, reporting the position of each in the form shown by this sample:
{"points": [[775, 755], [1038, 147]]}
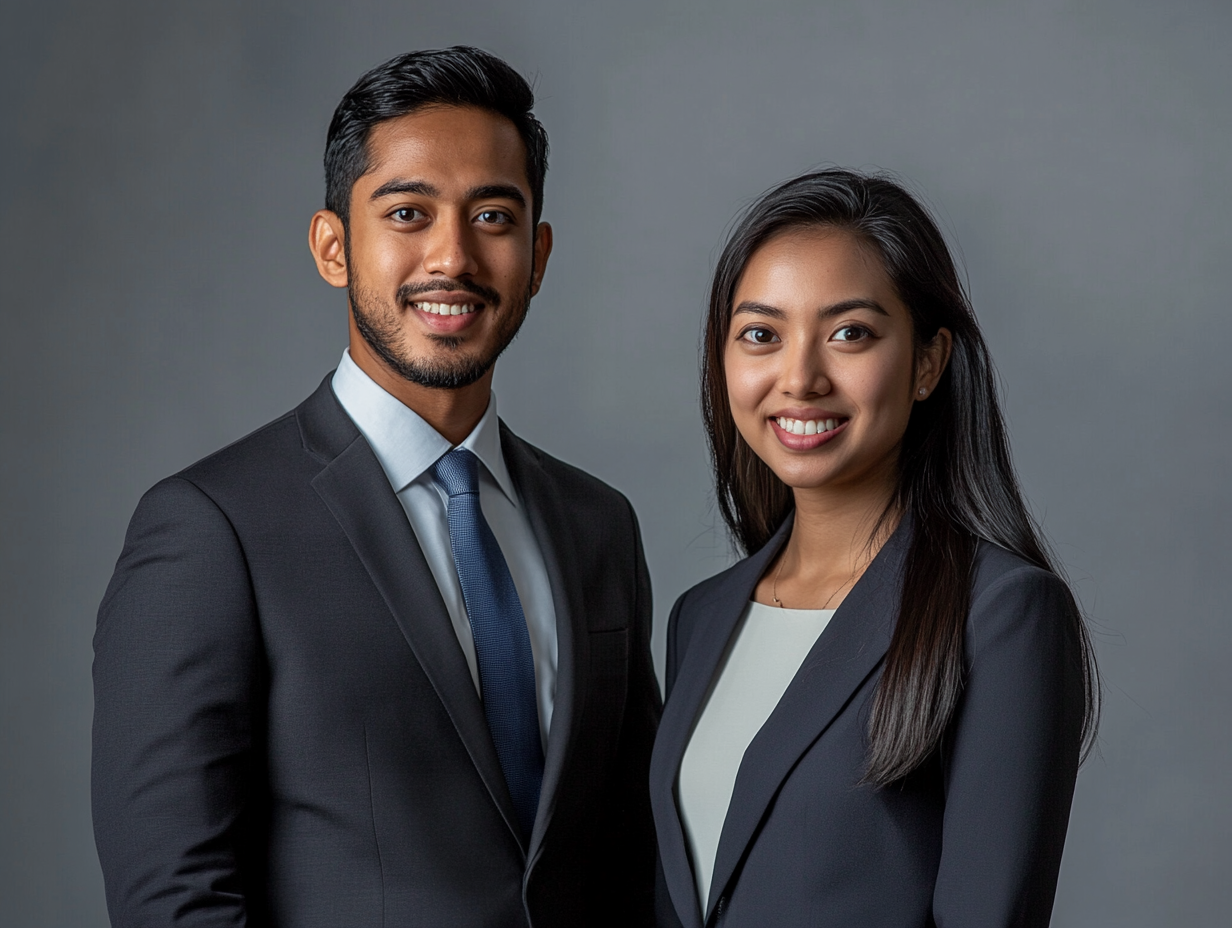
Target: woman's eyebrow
{"points": [[837, 309], [759, 309]]}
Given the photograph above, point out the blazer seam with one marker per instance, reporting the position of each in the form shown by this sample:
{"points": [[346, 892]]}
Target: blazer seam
{"points": [[238, 543]]}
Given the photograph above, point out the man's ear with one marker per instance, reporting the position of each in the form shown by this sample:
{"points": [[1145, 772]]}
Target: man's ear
{"points": [[327, 242], [931, 364], [543, 249]]}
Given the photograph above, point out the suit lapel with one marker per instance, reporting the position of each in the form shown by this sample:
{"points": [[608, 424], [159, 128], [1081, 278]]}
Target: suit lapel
{"points": [[355, 489], [551, 526], [851, 647], [718, 615]]}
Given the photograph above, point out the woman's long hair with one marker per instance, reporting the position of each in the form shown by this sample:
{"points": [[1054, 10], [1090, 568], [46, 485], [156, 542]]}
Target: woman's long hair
{"points": [[955, 476]]}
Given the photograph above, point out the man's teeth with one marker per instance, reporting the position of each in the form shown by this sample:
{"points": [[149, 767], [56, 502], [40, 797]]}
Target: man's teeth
{"points": [[446, 309], [806, 426]]}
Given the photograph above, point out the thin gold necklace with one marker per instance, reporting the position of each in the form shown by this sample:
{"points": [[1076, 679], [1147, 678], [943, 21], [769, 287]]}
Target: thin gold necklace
{"points": [[774, 584]]}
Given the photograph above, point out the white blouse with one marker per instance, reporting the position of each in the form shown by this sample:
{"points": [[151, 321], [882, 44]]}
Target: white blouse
{"points": [[771, 644]]}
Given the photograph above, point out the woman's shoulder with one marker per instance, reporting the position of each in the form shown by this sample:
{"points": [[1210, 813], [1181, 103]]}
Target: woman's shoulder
{"points": [[701, 606], [1011, 595], [997, 567], [715, 588]]}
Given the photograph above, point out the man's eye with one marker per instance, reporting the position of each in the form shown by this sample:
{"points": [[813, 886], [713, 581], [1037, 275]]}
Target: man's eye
{"points": [[494, 217], [759, 336], [407, 214], [851, 333]]}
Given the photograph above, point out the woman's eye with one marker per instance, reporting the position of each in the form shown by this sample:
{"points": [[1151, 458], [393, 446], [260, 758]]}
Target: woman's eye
{"points": [[494, 217], [851, 333], [759, 336]]}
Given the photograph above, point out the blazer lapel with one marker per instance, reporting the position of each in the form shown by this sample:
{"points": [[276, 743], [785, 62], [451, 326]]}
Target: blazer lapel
{"points": [[357, 493], [551, 526], [851, 647], [719, 612]]}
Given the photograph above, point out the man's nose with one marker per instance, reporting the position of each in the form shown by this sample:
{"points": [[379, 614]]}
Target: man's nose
{"points": [[450, 247]]}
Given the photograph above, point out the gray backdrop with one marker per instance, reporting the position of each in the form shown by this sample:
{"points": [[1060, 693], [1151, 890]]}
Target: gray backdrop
{"points": [[160, 163]]}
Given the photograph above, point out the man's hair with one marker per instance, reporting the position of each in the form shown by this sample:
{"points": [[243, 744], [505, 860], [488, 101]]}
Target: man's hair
{"points": [[457, 76]]}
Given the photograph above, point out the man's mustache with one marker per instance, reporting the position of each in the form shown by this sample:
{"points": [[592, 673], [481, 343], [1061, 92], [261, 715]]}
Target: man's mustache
{"points": [[407, 292]]}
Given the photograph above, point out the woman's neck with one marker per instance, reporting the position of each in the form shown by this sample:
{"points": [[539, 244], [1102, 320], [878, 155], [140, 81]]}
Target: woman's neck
{"points": [[835, 535]]}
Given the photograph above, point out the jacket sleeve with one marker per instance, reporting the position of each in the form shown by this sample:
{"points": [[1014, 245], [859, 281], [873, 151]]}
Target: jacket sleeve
{"points": [[176, 671], [642, 710], [672, 664], [665, 908], [1011, 756]]}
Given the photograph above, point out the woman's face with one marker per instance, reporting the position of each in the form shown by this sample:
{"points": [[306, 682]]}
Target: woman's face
{"points": [[819, 361]]}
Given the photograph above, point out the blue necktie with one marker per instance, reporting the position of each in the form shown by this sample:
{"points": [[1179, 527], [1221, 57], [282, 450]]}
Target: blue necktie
{"points": [[502, 644]]}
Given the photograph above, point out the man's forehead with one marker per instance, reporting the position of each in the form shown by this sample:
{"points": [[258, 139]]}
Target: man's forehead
{"points": [[449, 147]]}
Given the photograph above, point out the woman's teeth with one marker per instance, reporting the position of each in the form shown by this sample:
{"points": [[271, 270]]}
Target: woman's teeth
{"points": [[446, 309], [806, 426]]}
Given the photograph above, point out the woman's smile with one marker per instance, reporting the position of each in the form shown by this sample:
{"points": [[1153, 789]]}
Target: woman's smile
{"points": [[805, 430], [821, 361]]}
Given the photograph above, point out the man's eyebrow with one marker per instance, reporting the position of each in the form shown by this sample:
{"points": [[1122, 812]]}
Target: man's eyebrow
{"points": [[424, 189], [497, 192], [398, 185]]}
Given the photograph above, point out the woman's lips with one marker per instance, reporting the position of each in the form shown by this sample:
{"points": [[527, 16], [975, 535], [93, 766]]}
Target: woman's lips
{"points": [[825, 430]]}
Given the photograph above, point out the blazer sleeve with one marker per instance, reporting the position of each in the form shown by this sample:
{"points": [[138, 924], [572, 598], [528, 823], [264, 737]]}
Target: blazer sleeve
{"points": [[672, 664], [1011, 757], [642, 710], [665, 908], [175, 674]]}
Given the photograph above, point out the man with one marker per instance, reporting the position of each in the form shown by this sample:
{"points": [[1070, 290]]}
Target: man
{"points": [[382, 662]]}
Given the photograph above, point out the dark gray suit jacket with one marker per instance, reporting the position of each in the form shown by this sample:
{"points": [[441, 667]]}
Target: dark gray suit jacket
{"points": [[972, 839], [286, 732]]}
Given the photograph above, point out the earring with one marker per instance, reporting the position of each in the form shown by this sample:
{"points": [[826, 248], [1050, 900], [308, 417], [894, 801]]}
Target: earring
{"points": [[922, 391]]}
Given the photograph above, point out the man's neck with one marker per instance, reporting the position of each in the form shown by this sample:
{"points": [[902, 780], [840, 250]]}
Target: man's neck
{"points": [[452, 412]]}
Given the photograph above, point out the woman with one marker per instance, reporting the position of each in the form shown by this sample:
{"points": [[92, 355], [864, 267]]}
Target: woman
{"points": [[876, 718]]}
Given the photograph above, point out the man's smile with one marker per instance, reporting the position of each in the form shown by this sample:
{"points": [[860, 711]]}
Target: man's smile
{"points": [[447, 311]]}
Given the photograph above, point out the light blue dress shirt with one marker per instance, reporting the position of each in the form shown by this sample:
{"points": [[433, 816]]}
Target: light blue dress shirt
{"points": [[406, 447]]}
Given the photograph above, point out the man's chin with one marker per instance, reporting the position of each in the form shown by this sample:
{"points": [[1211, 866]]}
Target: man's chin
{"points": [[453, 374]]}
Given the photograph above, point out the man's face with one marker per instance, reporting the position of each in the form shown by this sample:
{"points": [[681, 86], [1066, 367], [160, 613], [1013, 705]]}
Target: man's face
{"points": [[441, 254]]}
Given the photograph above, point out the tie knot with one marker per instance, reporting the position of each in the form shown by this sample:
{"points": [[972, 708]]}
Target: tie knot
{"points": [[458, 472]]}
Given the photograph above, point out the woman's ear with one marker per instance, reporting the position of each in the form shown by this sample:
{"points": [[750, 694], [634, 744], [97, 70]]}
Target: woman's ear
{"points": [[931, 363]]}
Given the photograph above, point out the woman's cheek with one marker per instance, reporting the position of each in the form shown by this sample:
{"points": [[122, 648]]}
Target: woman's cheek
{"points": [[747, 387]]}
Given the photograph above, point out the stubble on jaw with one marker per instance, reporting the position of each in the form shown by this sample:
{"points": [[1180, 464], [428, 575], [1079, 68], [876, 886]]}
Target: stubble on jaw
{"points": [[379, 322]]}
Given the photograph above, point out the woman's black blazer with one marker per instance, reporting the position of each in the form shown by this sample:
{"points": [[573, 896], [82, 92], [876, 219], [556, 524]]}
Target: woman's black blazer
{"points": [[972, 838]]}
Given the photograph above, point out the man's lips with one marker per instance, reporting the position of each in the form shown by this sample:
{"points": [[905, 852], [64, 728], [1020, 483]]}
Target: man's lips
{"points": [[447, 311], [807, 429]]}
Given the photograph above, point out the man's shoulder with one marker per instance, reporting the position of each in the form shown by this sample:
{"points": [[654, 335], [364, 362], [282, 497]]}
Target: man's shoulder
{"points": [[289, 448], [264, 449], [568, 481]]}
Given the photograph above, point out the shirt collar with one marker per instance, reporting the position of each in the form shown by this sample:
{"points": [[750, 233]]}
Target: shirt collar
{"points": [[405, 445]]}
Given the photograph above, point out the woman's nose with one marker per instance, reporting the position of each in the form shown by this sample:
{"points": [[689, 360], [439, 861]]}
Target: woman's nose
{"points": [[803, 374]]}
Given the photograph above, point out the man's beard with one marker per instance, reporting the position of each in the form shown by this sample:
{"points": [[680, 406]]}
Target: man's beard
{"points": [[380, 325]]}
